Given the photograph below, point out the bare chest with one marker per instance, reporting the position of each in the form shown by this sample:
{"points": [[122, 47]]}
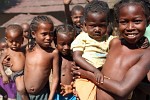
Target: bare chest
{"points": [[17, 59], [119, 61], [38, 59]]}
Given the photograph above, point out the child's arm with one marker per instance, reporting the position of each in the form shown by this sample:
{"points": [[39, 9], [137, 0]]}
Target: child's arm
{"points": [[67, 11], [4, 76], [79, 60], [121, 88], [55, 74]]}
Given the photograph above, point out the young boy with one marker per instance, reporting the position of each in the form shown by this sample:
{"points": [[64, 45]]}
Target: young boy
{"points": [[65, 34], [40, 59], [26, 33], [14, 39], [90, 49], [9, 90], [74, 16], [127, 62]]}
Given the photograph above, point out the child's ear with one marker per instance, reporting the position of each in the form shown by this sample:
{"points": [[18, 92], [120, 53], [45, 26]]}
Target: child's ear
{"points": [[6, 38], [33, 34], [84, 24]]}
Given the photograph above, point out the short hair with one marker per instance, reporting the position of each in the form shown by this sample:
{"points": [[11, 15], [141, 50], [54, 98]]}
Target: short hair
{"points": [[145, 4], [96, 7], [39, 19], [66, 29], [77, 8], [15, 28]]}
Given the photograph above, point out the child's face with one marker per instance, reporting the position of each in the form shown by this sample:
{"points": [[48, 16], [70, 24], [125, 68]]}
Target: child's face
{"points": [[26, 30], [43, 36], [63, 43], [96, 25], [132, 22], [14, 40], [76, 17]]}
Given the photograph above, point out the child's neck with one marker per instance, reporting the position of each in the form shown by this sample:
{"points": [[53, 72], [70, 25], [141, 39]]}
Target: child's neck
{"points": [[143, 43], [68, 57]]}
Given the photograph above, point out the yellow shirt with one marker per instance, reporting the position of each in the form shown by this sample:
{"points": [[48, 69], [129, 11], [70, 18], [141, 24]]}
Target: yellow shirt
{"points": [[94, 51]]}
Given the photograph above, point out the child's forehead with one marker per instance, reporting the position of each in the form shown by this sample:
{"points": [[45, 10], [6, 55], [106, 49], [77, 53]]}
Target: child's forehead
{"points": [[76, 12], [96, 16], [133, 6], [132, 9], [13, 34], [45, 25], [63, 35]]}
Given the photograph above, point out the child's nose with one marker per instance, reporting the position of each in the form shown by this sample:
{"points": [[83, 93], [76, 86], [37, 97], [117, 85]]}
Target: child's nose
{"points": [[14, 43], [97, 28], [48, 37], [130, 25], [66, 47]]}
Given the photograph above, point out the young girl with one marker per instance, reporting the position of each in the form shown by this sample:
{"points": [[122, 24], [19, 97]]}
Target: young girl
{"points": [[127, 62], [65, 34], [90, 49], [40, 59]]}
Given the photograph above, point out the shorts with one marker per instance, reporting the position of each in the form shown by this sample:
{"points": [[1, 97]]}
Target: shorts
{"points": [[42, 95], [58, 96], [16, 74]]}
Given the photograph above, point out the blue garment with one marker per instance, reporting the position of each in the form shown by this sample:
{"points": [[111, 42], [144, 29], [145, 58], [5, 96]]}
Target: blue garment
{"points": [[58, 96]]}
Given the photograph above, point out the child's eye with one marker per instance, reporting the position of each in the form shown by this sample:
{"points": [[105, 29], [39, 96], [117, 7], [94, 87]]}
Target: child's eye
{"points": [[137, 21], [44, 34], [123, 22], [91, 26]]}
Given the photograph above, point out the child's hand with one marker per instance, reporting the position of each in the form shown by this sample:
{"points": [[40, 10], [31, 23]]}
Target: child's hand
{"points": [[6, 62], [67, 2], [66, 89], [5, 79], [99, 76]]}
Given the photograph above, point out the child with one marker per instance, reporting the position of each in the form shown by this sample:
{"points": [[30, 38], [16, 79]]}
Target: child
{"points": [[26, 33], [14, 39], [40, 59], [74, 16], [65, 34], [127, 62], [90, 49]]}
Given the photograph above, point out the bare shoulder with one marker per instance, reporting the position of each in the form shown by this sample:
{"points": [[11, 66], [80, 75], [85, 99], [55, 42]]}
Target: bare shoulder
{"points": [[147, 52], [55, 52], [115, 42], [145, 57]]}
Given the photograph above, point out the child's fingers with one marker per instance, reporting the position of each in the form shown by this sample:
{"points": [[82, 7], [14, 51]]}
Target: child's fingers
{"points": [[102, 80], [72, 83], [61, 84]]}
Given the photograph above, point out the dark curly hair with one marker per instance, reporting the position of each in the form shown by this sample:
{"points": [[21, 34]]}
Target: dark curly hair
{"points": [[98, 7], [39, 19], [14, 27], [77, 8], [66, 29]]}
